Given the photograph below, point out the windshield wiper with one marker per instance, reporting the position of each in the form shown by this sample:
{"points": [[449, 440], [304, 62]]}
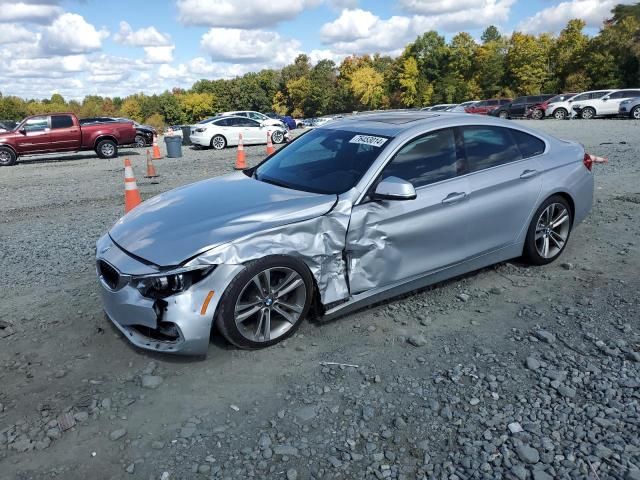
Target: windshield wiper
{"points": [[275, 182]]}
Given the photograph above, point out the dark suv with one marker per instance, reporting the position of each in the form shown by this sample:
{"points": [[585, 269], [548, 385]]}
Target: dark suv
{"points": [[520, 106]]}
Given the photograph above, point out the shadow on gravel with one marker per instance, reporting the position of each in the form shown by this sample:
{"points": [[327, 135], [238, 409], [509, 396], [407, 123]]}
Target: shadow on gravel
{"points": [[73, 158]]}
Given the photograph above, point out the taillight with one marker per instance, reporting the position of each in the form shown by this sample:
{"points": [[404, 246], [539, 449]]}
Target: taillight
{"points": [[588, 161]]}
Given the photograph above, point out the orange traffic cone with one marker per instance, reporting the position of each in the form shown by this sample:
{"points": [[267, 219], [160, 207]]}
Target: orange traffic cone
{"points": [[241, 162], [151, 170], [270, 148], [156, 149], [131, 193]]}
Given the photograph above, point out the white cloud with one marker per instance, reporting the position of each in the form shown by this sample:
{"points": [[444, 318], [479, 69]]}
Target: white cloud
{"points": [[10, 33], [249, 46], [36, 12], [240, 14], [71, 34], [54, 67], [325, 54], [144, 37], [438, 7], [554, 19], [159, 54], [360, 31]]}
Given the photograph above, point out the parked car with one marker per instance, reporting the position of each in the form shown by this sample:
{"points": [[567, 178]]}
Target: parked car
{"points": [[462, 108], [7, 125], [224, 131], [561, 109], [441, 107], [630, 108], [62, 132], [318, 122], [257, 116], [537, 111], [483, 107], [144, 133], [520, 106], [346, 215], [605, 106]]}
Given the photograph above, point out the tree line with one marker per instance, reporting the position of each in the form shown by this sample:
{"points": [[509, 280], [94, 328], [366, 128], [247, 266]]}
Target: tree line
{"points": [[430, 70]]}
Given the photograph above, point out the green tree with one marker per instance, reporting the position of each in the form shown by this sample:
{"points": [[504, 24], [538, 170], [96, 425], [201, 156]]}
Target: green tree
{"points": [[197, 106], [366, 84], [131, 109], [567, 55], [409, 78], [527, 67], [491, 34]]}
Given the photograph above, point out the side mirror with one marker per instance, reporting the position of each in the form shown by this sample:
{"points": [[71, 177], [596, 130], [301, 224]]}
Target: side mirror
{"points": [[23, 131], [394, 188], [605, 99]]}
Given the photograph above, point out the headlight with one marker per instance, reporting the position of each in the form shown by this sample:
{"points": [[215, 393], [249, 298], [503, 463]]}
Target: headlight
{"points": [[625, 101], [200, 130], [161, 285]]}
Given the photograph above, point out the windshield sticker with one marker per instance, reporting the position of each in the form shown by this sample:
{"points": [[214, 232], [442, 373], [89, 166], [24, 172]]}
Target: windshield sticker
{"points": [[368, 140]]}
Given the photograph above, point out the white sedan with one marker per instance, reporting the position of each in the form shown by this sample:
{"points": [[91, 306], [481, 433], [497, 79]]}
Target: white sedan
{"points": [[257, 116], [225, 131]]}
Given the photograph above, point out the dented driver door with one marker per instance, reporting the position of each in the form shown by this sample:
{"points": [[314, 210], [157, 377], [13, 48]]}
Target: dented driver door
{"points": [[394, 240]]}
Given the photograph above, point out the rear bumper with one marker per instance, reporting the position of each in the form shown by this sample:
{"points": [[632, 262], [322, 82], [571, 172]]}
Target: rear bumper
{"points": [[200, 140]]}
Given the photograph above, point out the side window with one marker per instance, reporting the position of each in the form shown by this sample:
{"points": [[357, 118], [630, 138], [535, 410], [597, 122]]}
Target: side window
{"points": [[225, 122], [492, 103], [520, 100], [61, 121], [255, 116], [427, 159], [484, 103], [529, 145], [615, 95], [633, 93], [247, 122], [36, 124], [488, 147], [597, 95]]}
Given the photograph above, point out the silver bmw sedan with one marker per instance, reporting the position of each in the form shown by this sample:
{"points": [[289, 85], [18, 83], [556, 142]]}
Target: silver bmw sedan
{"points": [[350, 213]]}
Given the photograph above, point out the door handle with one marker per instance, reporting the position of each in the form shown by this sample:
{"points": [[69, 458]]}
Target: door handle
{"points": [[454, 197], [528, 174]]}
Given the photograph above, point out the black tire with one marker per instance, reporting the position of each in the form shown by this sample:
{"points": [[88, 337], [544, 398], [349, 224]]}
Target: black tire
{"points": [[225, 316], [588, 113], [277, 137], [530, 252], [635, 113], [504, 115], [140, 141], [218, 142], [7, 157], [107, 149], [560, 114], [537, 114]]}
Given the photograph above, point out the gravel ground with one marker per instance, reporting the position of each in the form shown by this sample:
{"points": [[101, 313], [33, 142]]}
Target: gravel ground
{"points": [[510, 372]]}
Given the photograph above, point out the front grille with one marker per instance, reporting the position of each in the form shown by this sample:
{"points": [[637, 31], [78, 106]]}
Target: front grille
{"points": [[109, 274]]}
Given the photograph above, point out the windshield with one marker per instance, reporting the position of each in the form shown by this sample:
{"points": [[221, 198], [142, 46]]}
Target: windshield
{"points": [[561, 98], [323, 161]]}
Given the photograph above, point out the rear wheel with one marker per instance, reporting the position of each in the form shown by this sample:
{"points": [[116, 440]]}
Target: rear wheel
{"points": [[635, 113], [503, 114], [7, 157], [107, 149], [549, 231], [588, 113], [218, 142], [266, 302], [140, 141], [560, 114]]}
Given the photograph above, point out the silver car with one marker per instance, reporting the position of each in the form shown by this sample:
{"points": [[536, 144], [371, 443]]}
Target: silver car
{"points": [[350, 213]]}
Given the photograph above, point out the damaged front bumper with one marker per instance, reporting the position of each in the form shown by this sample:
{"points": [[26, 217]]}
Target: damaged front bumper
{"points": [[180, 323]]}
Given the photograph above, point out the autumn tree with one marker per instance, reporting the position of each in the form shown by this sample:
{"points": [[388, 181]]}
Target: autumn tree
{"points": [[366, 84], [409, 78]]}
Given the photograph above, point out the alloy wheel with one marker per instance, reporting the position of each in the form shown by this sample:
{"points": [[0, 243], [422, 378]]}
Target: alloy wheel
{"points": [[5, 157], [559, 114], [218, 142], [552, 230], [588, 113], [635, 113], [270, 304], [140, 142], [277, 136], [108, 150], [537, 114]]}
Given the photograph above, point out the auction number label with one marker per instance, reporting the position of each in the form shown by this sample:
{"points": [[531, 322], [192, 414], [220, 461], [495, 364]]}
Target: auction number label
{"points": [[369, 140]]}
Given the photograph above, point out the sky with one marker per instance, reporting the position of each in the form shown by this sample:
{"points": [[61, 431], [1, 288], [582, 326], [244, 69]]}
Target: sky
{"points": [[120, 47]]}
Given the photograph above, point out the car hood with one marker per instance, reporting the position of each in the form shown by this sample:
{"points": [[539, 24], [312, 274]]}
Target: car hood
{"points": [[177, 225]]}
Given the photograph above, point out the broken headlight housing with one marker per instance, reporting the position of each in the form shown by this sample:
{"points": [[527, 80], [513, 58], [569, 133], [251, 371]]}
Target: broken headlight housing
{"points": [[165, 284]]}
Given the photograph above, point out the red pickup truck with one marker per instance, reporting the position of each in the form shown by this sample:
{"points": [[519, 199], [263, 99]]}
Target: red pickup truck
{"points": [[62, 132]]}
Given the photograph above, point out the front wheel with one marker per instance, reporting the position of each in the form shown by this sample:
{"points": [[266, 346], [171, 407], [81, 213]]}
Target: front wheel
{"points": [[635, 113], [503, 115], [560, 114], [107, 149], [277, 137], [549, 231], [7, 157], [266, 302], [537, 114], [140, 141], [588, 113]]}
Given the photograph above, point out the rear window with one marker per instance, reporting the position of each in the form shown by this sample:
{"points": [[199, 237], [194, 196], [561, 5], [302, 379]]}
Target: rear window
{"points": [[529, 145], [61, 121]]}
